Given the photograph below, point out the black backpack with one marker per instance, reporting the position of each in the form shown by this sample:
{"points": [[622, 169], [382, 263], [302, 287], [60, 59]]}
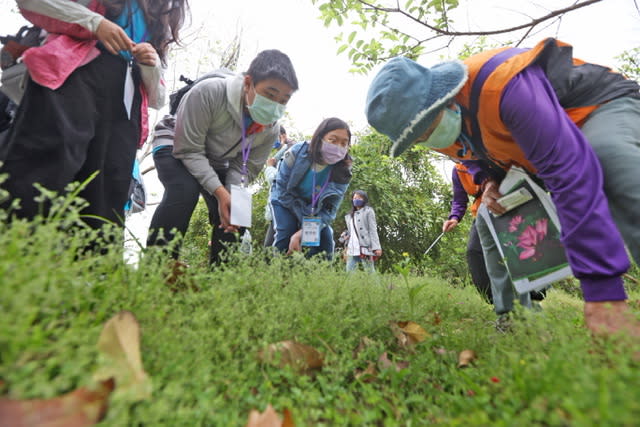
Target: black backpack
{"points": [[176, 97]]}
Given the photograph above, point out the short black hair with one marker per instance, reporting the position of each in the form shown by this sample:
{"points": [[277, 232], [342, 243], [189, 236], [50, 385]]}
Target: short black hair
{"points": [[283, 131], [273, 64]]}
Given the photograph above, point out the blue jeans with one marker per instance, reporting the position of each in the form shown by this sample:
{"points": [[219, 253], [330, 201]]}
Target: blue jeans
{"points": [[286, 225], [367, 263]]}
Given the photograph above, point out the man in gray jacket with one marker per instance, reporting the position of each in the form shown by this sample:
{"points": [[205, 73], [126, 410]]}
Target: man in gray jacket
{"points": [[224, 131]]}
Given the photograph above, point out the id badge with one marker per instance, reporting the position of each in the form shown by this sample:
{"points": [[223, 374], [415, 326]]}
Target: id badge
{"points": [[129, 90], [311, 231], [240, 206]]}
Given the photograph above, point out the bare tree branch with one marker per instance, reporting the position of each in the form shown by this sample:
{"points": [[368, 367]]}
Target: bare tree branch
{"points": [[446, 32]]}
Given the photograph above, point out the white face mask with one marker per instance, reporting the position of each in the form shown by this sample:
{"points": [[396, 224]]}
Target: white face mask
{"points": [[332, 153], [447, 131]]}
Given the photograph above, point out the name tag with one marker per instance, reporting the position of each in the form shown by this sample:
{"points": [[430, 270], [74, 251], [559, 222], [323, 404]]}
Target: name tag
{"points": [[311, 231], [129, 90], [240, 206]]}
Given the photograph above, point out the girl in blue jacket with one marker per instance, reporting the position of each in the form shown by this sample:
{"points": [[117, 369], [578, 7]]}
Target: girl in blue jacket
{"points": [[311, 182]]}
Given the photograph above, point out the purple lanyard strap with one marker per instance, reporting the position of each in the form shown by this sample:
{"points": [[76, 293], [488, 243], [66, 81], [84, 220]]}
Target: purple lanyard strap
{"points": [[246, 149]]}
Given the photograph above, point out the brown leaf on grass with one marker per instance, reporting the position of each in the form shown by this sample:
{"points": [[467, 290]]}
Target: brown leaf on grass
{"points": [[79, 408], [269, 418], [178, 280], [385, 363], [465, 358], [302, 358], [119, 347], [408, 333], [365, 342], [436, 318], [367, 375]]}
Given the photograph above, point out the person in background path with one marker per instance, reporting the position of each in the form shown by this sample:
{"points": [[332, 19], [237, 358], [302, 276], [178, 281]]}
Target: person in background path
{"points": [[310, 185], [85, 104], [224, 132], [575, 125], [363, 245]]}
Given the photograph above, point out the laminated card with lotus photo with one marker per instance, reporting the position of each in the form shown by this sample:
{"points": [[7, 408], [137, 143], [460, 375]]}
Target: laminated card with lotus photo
{"points": [[528, 236]]}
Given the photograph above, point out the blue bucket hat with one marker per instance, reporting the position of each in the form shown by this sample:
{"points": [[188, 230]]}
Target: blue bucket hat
{"points": [[404, 98]]}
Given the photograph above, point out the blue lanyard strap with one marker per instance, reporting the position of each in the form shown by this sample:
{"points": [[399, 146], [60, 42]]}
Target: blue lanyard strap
{"points": [[314, 196]]}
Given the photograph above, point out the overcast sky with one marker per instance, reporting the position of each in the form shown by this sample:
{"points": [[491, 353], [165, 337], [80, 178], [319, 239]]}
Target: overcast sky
{"points": [[598, 33]]}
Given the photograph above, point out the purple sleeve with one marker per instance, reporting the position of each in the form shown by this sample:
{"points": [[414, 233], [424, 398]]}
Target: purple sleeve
{"points": [[571, 171], [474, 167], [460, 198]]}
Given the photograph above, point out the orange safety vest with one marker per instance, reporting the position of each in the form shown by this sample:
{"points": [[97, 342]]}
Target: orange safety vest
{"points": [[497, 140], [472, 189]]}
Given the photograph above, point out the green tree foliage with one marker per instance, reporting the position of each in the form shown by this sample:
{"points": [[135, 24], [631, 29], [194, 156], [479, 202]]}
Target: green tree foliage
{"points": [[381, 29], [411, 200], [629, 63]]}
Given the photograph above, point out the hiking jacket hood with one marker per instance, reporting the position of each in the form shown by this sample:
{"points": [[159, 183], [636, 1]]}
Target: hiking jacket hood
{"points": [[209, 133]]}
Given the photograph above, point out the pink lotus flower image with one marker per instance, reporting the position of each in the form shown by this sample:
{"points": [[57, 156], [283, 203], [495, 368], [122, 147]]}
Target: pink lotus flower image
{"points": [[531, 237], [514, 223]]}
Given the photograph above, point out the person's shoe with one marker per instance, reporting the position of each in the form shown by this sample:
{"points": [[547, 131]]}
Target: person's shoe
{"points": [[610, 318], [538, 295]]}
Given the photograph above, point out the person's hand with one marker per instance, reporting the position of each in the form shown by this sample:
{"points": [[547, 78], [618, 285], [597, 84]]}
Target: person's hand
{"points": [[378, 253], [295, 243], [490, 198], [144, 54], [224, 209], [271, 162], [113, 37], [449, 225]]}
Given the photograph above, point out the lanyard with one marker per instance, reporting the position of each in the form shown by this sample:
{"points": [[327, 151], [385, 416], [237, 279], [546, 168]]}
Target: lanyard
{"points": [[246, 149], [314, 196]]}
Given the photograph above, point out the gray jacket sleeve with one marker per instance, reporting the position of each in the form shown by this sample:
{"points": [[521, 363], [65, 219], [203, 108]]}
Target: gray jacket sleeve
{"points": [[152, 78], [64, 10], [373, 230], [193, 119]]}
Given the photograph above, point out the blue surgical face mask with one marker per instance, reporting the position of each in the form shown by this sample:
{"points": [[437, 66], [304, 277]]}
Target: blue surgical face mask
{"points": [[358, 203], [265, 111], [332, 153], [447, 131]]}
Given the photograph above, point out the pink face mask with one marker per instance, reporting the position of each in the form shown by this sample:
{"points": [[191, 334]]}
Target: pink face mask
{"points": [[332, 153]]}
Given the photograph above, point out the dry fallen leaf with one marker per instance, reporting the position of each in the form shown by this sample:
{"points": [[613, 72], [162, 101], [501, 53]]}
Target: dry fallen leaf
{"points": [[465, 358], [79, 408], [365, 342], [367, 375], [119, 346], [269, 418], [301, 357], [408, 333], [436, 318], [385, 363]]}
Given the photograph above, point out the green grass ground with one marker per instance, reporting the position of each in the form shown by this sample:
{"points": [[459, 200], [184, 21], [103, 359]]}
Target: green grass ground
{"points": [[200, 347]]}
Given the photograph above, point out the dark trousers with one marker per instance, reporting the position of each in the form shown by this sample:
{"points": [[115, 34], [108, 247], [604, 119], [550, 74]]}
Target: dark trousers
{"points": [[477, 268], [172, 216], [65, 135]]}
